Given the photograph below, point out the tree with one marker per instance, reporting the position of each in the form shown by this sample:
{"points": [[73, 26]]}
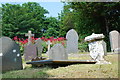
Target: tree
{"points": [[18, 19], [51, 27], [89, 17]]}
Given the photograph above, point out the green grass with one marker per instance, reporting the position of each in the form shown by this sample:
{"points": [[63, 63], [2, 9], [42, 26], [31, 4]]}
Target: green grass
{"points": [[71, 71]]}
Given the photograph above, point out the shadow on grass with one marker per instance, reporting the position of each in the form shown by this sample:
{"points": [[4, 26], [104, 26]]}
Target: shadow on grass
{"points": [[32, 72]]}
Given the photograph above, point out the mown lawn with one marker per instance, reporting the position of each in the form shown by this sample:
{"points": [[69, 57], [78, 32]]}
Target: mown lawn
{"points": [[71, 71]]}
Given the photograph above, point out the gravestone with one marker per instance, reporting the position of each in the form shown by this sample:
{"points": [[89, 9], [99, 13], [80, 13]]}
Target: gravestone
{"points": [[10, 55], [114, 41], [39, 46], [30, 51], [97, 48], [72, 41], [57, 52]]}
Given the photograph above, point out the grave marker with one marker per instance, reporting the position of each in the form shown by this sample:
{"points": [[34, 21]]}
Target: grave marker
{"points": [[114, 41], [10, 54], [29, 34], [30, 51], [39, 46], [57, 52], [48, 43], [97, 48], [72, 41]]}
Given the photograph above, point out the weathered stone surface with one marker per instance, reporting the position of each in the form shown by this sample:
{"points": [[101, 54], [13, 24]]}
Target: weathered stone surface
{"points": [[10, 54], [97, 49], [72, 41], [104, 47], [114, 41], [57, 52], [30, 51], [39, 46]]}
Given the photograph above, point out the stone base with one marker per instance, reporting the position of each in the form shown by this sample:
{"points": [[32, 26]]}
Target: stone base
{"points": [[103, 62]]}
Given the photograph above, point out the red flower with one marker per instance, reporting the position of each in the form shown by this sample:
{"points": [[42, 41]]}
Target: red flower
{"points": [[15, 38]]}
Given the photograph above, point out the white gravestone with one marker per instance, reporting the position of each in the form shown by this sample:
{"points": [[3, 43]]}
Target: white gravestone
{"points": [[48, 43], [97, 48], [114, 41], [72, 41]]}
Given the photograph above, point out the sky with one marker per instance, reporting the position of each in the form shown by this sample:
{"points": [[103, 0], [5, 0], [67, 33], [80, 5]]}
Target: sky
{"points": [[53, 6]]}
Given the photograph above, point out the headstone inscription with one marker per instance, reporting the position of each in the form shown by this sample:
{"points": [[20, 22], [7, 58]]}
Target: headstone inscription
{"points": [[10, 54], [57, 52], [30, 49], [72, 41], [97, 48], [114, 41], [39, 47]]}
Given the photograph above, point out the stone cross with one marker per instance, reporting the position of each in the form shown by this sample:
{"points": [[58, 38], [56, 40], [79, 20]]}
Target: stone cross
{"points": [[48, 43], [29, 34]]}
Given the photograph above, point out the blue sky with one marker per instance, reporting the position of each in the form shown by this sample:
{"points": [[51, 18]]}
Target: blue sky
{"points": [[53, 6]]}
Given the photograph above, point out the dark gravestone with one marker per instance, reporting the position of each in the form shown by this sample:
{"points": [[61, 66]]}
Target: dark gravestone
{"points": [[30, 51], [72, 41], [39, 47], [57, 52], [10, 54]]}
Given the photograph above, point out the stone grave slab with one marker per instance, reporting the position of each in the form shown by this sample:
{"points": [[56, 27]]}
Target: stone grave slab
{"points": [[57, 52], [57, 63], [30, 51], [72, 41], [10, 54]]}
